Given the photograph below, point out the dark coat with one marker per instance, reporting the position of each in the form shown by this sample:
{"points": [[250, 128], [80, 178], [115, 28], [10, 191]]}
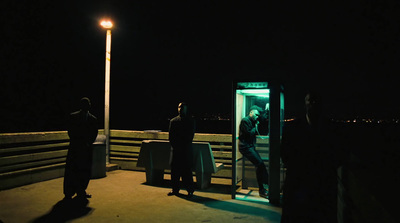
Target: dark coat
{"points": [[310, 187], [247, 133], [82, 131], [181, 133]]}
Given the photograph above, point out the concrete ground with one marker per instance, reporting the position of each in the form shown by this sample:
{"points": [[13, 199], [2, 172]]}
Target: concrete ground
{"points": [[123, 196]]}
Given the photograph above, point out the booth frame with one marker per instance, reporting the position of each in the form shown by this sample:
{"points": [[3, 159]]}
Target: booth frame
{"points": [[276, 100]]}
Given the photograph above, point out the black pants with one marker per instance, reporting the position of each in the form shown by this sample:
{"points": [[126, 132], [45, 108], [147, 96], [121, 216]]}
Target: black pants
{"points": [[181, 166], [261, 170]]}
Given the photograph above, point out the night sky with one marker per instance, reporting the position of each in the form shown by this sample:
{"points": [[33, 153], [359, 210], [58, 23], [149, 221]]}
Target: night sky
{"points": [[163, 52]]}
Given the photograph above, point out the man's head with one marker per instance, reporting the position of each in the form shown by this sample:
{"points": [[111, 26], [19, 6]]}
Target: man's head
{"points": [[313, 104], [84, 104], [254, 112], [182, 109]]}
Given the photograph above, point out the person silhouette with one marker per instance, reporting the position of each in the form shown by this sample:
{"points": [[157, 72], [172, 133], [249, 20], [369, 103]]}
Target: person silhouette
{"points": [[181, 133], [82, 131], [307, 151]]}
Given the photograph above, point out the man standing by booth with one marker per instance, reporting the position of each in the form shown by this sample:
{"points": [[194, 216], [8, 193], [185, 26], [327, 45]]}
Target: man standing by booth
{"points": [[181, 133], [248, 130], [310, 156]]}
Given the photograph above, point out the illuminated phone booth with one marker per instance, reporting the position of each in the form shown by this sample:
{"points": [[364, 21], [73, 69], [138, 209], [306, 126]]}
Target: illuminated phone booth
{"points": [[268, 96]]}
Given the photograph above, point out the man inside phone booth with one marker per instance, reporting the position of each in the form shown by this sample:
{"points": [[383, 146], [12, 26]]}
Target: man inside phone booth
{"points": [[248, 130]]}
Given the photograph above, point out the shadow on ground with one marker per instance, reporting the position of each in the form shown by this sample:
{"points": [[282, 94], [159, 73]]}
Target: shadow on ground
{"points": [[213, 188], [66, 210], [236, 207]]}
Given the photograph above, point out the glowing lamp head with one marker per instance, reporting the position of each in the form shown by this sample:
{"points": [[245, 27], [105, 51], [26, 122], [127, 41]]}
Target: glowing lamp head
{"points": [[106, 24]]}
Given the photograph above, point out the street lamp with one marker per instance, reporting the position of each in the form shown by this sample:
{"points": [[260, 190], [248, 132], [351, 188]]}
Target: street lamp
{"points": [[107, 25]]}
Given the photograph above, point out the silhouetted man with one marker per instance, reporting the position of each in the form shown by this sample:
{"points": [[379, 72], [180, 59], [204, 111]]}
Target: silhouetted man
{"points": [[310, 187], [82, 131], [181, 133], [248, 130]]}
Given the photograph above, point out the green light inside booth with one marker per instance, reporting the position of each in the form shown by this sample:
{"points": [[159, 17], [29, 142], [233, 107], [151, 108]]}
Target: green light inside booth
{"points": [[254, 92]]}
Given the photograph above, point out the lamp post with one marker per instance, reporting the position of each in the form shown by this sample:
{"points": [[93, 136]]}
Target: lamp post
{"points": [[107, 25]]}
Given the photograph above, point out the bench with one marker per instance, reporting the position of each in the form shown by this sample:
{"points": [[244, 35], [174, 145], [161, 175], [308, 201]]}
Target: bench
{"points": [[155, 156]]}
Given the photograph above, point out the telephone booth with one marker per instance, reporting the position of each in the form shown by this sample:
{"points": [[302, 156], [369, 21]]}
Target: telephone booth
{"points": [[269, 97]]}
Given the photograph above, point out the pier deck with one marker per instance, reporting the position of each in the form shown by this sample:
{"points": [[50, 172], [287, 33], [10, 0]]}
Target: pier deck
{"points": [[123, 196]]}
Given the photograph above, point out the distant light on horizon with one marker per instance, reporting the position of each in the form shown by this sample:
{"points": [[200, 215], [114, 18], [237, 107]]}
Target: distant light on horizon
{"points": [[106, 24]]}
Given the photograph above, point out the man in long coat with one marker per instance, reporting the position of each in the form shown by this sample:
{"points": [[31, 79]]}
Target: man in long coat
{"points": [[181, 133], [82, 131], [311, 159]]}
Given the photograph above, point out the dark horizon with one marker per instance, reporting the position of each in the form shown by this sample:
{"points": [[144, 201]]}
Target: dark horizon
{"points": [[166, 52]]}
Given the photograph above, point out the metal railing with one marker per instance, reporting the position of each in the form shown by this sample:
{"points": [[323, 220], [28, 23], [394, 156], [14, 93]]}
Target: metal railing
{"points": [[31, 157]]}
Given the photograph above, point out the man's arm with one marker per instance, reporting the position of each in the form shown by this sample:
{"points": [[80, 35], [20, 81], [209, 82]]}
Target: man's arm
{"points": [[171, 136], [247, 128], [94, 130]]}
